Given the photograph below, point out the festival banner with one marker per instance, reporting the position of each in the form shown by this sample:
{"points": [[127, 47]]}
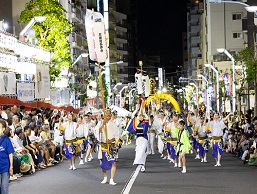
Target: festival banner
{"points": [[42, 82], [65, 97], [146, 85], [96, 36], [212, 89], [7, 83], [228, 84], [138, 80], [55, 97], [25, 92], [204, 96]]}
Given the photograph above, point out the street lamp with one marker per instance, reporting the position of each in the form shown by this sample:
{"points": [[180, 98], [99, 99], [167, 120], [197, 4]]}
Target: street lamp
{"points": [[30, 24], [83, 55], [118, 62], [121, 93], [207, 96], [222, 50], [247, 7], [113, 90], [217, 83]]}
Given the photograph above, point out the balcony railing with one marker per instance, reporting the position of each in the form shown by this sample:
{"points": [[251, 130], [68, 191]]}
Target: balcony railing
{"points": [[121, 24], [79, 41], [122, 36]]}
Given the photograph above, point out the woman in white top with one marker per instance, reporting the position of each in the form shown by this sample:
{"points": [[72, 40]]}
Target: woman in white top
{"points": [[70, 140]]}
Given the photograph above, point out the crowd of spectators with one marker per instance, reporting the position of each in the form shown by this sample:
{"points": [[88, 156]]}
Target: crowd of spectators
{"points": [[241, 137], [35, 137]]}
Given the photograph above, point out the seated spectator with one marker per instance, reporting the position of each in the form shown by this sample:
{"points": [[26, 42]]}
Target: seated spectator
{"points": [[14, 122], [19, 148], [25, 121], [5, 112], [58, 135], [42, 145], [35, 153], [39, 121], [48, 140]]}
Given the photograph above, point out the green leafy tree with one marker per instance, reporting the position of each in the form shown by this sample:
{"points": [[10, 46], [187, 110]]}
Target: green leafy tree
{"points": [[248, 60], [52, 33]]}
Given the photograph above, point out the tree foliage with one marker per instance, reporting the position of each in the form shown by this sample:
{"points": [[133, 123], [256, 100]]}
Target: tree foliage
{"points": [[52, 33], [246, 57]]}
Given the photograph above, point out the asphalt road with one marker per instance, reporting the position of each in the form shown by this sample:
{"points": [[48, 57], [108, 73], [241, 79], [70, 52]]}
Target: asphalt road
{"points": [[160, 177]]}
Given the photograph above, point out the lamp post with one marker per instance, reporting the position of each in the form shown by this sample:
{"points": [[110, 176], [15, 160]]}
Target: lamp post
{"points": [[121, 93], [29, 26], [217, 84], [113, 94], [222, 50], [83, 55], [247, 7], [207, 84], [118, 62]]}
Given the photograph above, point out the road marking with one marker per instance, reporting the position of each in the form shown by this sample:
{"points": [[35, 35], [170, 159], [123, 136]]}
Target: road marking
{"points": [[131, 180]]}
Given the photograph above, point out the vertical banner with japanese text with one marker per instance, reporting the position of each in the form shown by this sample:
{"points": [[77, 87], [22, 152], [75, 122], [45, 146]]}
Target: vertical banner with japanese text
{"points": [[42, 82]]}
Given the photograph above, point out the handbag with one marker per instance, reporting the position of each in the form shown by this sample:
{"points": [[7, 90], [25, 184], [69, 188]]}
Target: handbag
{"points": [[252, 162]]}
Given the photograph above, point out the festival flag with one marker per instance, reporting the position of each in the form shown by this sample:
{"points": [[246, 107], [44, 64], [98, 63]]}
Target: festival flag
{"points": [[132, 126], [228, 84], [96, 36], [138, 79]]}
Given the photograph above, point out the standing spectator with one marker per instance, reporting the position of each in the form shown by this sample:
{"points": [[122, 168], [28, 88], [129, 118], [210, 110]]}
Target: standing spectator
{"points": [[6, 159]]}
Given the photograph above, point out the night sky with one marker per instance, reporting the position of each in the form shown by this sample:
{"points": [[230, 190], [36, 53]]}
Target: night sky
{"points": [[160, 27]]}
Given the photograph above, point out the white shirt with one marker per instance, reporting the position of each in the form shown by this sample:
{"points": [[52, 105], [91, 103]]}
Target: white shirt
{"points": [[81, 130], [201, 130], [17, 143], [171, 125], [4, 115], [217, 127], [56, 130], [96, 129], [112, 130], [70, 130], [33, 137]]}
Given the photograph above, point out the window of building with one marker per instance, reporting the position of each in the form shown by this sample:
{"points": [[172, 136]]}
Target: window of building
{"points": [[237, 35], [236, 16]]}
